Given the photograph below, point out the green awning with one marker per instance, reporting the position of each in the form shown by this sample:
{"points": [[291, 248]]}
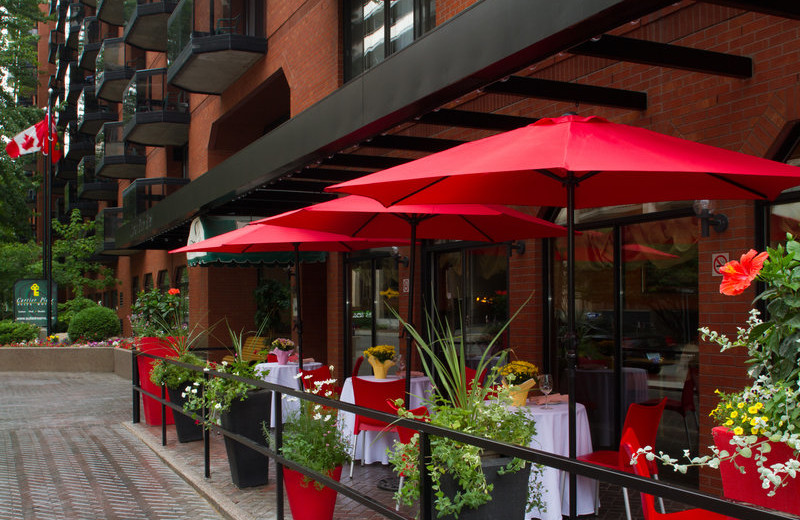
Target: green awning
{"points": [[207, 227]]}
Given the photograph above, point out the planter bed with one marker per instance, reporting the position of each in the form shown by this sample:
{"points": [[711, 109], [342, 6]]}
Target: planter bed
{"points": [[66, 359]]}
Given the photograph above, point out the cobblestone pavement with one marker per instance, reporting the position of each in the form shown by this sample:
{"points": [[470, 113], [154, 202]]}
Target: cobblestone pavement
{"points": [[68, 450], [64, 454]]}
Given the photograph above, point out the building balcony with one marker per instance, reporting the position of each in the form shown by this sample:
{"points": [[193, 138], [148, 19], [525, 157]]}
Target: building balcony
{"points": [[115, 65], [61, 15], [93, 113], [146, 23], [64, 56], [143, 194], [92, 187], [75, 14], [208, 49], [72, 201], [76, 144], [74, 82], [66, 170], [67, 114], [115, 158], [108, 221], [111, 11], [154, 113], [53, 40], [89, 43]]}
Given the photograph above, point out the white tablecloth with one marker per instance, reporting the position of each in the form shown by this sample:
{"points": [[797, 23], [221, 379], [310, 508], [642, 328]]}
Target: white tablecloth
{"points": [[595, 389], [378, 442], [284, 375], [552, 435]]}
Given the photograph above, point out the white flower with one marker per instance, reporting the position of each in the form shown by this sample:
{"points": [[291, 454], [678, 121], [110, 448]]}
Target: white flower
{"points": [[217, 406], [317, 416], [298, 375], [194, 390], [183, 394]]}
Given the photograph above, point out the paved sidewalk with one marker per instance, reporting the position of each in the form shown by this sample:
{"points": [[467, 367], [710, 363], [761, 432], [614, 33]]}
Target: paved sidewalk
{"points": [[65, 454]]}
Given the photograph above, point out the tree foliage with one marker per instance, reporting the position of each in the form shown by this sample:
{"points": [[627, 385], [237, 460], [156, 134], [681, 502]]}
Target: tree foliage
{"points": [[73, 266], [17, 261]]}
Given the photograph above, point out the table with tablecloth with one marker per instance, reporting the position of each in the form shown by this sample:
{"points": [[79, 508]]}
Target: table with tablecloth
{"points": [[378, 442], [284, 375], [552, 436], [595, 389]]}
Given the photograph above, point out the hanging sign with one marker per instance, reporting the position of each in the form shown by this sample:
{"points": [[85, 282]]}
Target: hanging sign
{"points": [[30, 302]]}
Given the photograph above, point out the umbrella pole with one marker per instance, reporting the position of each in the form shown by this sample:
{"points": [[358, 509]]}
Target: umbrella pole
{"points": [[412, 266], [571, 338], [298, 324]]}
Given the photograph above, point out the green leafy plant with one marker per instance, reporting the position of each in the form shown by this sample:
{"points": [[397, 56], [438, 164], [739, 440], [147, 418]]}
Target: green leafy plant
{"points": [[174, 376], [94, 324], [159, 314], [311, 436], [16, 331], [68, 310], [460, 405], [272, 299]]}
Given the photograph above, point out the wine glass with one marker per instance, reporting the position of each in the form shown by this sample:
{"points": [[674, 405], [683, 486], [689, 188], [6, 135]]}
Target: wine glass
{"points": [[400, 363], [546, 386]]}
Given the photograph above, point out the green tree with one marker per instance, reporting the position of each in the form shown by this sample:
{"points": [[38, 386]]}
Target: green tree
{"points": [[17, 261], [72, 252]]}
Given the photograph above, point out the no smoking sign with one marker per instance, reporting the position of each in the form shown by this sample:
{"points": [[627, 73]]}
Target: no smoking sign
{"points": [[717, 261]]}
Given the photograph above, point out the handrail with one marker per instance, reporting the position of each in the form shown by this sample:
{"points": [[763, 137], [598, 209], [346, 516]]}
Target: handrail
{"points": [[628, 480]]}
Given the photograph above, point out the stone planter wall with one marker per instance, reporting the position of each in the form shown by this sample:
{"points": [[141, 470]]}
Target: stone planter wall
{"points": [[66, 359]]}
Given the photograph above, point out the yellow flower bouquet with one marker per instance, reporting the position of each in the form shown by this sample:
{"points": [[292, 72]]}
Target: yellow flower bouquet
{"points": [[517, 372], [380, 352]]}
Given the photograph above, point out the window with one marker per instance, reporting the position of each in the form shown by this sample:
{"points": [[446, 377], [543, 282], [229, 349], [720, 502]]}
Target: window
{"points": [[134, 288], [379, 28], [163, 281], [148, 282]]}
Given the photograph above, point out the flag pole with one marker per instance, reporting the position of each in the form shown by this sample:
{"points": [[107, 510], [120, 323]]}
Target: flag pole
{"points": [[47, 252]]}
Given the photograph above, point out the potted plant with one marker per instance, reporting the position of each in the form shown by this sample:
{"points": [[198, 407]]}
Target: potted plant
{"points": [[758, 434], [521, 377], [240, 408], [381, 357], [468, 483], [283, 348], [156, 319], [312, 438]]}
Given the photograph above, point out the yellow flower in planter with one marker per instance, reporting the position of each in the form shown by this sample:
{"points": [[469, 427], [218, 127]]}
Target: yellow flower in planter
{"points": [[380, 352]]}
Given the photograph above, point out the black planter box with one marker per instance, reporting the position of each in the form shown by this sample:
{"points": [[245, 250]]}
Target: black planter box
{"points": [[509, 497], [248, 467], [187, 428]]}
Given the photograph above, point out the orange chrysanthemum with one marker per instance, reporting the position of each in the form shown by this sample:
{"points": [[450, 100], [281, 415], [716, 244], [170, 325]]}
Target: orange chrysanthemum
{"points": [[737, 276]]}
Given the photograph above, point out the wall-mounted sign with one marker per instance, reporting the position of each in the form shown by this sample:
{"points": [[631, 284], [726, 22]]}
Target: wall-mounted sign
{"points": [[717, 261], [30, 302]]}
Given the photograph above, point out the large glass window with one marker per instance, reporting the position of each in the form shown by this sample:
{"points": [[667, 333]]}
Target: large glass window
{"points": [[379, 28], [372, 290]]}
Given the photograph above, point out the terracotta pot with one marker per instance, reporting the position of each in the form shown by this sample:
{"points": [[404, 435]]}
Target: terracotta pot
{"points": [[152, 408], [305, 500], [746, 487], [380, 368]]}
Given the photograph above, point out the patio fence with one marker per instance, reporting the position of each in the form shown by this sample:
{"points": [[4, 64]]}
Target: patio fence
{"points": [[574, 467]]}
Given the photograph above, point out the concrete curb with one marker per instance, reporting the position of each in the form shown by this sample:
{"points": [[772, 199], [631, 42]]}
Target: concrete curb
{"points": [[215, 497]]}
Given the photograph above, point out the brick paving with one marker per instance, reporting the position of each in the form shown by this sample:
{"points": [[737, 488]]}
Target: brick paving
{"points": [[68, 450]]}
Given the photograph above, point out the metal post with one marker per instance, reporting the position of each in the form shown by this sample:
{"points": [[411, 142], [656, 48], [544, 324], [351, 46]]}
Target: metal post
{"points": [[163, 415], [412, 267], [206, 431], [278, 444], [425, 484], [571, 341], [298, 325], [47, 246], [134, 383]]}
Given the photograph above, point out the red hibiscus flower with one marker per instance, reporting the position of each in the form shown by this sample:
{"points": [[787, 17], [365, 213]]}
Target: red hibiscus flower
{"points": [[178, 291], [737, 276]]}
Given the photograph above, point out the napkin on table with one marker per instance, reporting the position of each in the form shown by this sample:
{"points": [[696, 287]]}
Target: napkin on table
{"points": [[553, 399]]}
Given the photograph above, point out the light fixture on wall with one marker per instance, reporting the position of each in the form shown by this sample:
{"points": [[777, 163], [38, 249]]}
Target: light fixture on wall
{"points": [[704, 209], [518, 246], [400, 259]]}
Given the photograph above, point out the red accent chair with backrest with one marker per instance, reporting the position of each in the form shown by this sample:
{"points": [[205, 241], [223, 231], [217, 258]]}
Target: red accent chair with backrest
{"points": [[644, 421], [629, 445], [420, 413], [357, 366], [686, 405], [374, 394], [323, 373]]}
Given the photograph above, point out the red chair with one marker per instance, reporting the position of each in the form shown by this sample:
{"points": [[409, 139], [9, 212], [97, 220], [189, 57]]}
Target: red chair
{"points": [[471, 373], [272, 358], [630, 445], [686, 405], [373, 394], [643, 420], [357, 366], [323, 373], [406, 434]]}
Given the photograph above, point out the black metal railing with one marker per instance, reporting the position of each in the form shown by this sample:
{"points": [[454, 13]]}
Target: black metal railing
{"points": [[628, 480]]}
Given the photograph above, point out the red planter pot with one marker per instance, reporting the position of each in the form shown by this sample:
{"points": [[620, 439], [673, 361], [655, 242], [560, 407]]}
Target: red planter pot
{"points": [[152, 408], [310, 503], [746, 487]]}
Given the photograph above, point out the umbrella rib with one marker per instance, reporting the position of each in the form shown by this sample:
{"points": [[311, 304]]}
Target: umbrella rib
{"points": [[365, 224], [440, 179], [738, 185], [476, 228]]}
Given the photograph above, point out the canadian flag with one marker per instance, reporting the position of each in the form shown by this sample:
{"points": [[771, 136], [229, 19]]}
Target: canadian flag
{"points": [[32, 140]]}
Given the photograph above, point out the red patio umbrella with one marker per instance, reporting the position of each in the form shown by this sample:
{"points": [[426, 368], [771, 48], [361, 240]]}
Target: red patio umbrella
{"points": [[264, 238], [576, 162], [363, 217]]}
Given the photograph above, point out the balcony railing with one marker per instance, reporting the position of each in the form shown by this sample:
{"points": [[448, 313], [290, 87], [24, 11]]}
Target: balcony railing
{"points": [[115, 158], [53, 40], [75, 14], [146, 23], [143, 194], [76, 144], [87, 208], [229, 38], [111, 11], [114, 67], [92, 113], [74, 82], [108, 222], [89, 43], [92, 187], [154, 113]]}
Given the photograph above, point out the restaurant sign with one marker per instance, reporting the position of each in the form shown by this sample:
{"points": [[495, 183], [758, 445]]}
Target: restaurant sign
{"points": [[30, 302]]}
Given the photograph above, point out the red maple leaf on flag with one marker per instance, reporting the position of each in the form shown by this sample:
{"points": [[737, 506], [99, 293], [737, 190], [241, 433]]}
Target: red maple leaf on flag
{"points": [[28, 142]]}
